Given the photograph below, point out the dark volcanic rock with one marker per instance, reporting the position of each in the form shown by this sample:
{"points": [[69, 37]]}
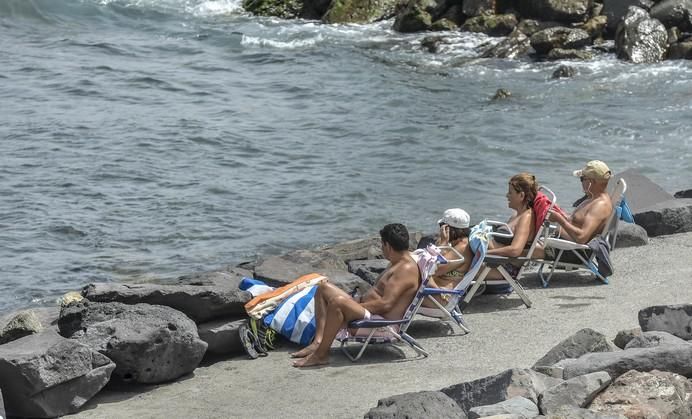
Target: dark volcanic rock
{"points": [[359, 11], [569, 54], [683, 194], [46, 375], [615, 10], [654, 338], [496, 388], [22, 324], [515, 45], [672, 13], [557, 10], [368, 270], [564, 71], [625, 336], [674, 216], [473, 8], [630, 235], [492, 25], [425, 404], [639, 38], [519, 406], [222, 336], [200, 303], [149, 344], [681, 51], [583, 342], [674, 319], [576, 392]]}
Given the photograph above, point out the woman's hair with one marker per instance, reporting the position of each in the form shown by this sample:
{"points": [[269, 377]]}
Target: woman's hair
{"points": [[456, 233], [525, 182]]}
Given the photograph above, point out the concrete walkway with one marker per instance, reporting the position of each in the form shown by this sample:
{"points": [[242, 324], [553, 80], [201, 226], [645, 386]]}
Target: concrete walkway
{"points": [[504, 335]]}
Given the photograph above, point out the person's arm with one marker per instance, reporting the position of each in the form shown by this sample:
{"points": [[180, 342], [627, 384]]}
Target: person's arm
{"points": [[400, 282], [592, 220], [522, 229], [453, 266]]}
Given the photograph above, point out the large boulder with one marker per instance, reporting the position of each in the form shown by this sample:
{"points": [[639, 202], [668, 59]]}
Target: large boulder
{"points": [[492, 25], [674, 319], [149, 344], [569, 54], [615, 10], [46, 375], [577, 392], [200, 303], [630, 234], [496, 388], [359, 11], [672, 358], [595, 26], [640, 38], [566, 11], [687, 193], [226, 278], [669, 217], [519, 406], [515, 45], [559, 37], [473, 8], [654, 338], [222, 336], [359, 249], [22, 324], [419, 15], [369, 270], [583, 342], [424, 404], [674, 13], [652, 394]]}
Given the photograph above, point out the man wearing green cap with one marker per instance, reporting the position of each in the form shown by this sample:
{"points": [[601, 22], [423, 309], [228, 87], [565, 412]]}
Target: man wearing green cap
{"points": [[590, 217]]}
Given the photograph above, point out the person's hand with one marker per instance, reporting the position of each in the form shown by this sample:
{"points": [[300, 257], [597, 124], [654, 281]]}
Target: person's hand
{"points": [[554, 216], [444, 234]]}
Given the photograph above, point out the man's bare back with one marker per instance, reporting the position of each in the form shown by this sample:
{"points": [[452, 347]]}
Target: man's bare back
{"points": [[402, 279]]}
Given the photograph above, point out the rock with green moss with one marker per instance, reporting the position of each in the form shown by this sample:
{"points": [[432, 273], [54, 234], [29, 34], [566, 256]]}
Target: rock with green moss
{"points": [[360, 11], [443, 24], [493, 25], [285, 9], [416, 16]]}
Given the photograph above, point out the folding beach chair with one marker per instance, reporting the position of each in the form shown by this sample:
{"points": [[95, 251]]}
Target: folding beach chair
{"points": [[609, 234], [392, 331]]}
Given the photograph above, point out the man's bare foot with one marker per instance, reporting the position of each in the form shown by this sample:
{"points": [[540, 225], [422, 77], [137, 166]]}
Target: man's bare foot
{"points": [[311, 360], [308, 350]]}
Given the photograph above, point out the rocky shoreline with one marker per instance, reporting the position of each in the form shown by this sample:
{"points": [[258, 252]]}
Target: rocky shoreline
{"points": [[643, 31], [53, 360]]}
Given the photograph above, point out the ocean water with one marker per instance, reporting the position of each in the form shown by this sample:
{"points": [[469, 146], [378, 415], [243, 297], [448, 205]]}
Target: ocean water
{"points": [[145, 139]]}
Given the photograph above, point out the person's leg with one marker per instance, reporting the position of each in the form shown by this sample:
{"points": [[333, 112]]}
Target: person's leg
{"points": [[325, 292], [340, 311]]}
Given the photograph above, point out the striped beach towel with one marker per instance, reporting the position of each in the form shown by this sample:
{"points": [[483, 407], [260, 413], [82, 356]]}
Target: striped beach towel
{"points": [[289, 310]]}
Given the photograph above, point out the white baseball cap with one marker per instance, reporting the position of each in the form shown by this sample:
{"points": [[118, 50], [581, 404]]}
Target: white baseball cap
{"points": [[455, 217]]}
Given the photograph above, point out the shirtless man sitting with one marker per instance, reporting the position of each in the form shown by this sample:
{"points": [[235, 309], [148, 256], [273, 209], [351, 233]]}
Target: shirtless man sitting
{"points": [[590, 217], [389, 298]]}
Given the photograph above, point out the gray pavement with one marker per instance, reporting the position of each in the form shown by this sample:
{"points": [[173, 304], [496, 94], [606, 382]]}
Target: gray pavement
{"points": [[504, 335]]}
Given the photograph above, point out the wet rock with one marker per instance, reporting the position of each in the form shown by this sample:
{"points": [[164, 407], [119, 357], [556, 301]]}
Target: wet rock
{"points": [[443, 24], [496, 388], [501, 94], [683, 194], [432, 45], [595, 26], [149, 344], [424, 404], [639, 38], [46, 375], [674, 319], [472, 8], [655, 338], [681, 51], [530, 26], [22, 324], [670, 217], [284, 9], [630, 235], [557, 10], [645, 395], [515, 45], [416, 16], [559, 37], [200, 303], [674, 13], [519, 406], [222, 336], [583, 342], [624, 336], [569, 54], [672, 358], [615, 11], [360, 11], [575, 392], [492, 25], [368, 270], [564, 71]]}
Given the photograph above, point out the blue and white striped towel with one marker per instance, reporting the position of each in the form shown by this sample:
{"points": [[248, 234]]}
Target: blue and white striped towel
{"points": [[293, 318]]}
